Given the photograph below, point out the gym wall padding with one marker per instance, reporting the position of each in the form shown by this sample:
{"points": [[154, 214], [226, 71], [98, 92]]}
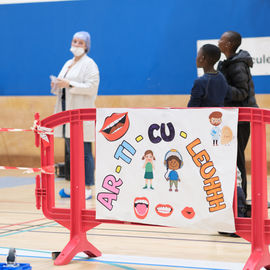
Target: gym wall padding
{"points": [[141, 47], [18, 149]]}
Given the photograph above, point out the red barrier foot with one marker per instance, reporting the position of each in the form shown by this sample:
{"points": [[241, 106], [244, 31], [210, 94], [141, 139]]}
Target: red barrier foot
{"points": [[75, 245], [258, 260]]}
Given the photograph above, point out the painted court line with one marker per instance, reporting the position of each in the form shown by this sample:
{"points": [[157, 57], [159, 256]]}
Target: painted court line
{"points": [[169, 262], [90, 233], [135, 260], [28, 230], [21, 223], [13, 181]]}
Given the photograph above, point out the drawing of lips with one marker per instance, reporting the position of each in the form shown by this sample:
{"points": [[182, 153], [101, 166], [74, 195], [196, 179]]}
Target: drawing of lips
{"points": [[115, 126], [188, 212], [164, 210], [141, 207]]}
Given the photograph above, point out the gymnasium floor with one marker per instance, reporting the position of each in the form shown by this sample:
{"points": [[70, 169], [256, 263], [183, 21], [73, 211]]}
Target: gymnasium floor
{"points": [[25, 228]]}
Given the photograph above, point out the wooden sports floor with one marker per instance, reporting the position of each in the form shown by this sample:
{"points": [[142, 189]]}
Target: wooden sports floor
{"points": [[131, 247]]}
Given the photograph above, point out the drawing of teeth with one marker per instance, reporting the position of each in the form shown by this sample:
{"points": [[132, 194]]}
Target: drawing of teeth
{"points": [[164, 210], [141, 207], [115, 126]]}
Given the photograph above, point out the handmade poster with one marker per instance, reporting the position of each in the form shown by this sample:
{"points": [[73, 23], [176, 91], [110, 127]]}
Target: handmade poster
{"points": [[172, 167]]}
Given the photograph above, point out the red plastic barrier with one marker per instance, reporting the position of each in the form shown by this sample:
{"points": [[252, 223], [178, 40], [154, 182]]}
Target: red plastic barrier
{"points": [[79, 220], [256, 229]]}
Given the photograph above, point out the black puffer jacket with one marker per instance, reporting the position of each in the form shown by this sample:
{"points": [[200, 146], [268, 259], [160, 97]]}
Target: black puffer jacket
{"points": [[236, 70]]}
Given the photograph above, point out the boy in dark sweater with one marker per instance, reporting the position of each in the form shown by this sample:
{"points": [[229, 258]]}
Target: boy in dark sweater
{"points": [[210, 89]]}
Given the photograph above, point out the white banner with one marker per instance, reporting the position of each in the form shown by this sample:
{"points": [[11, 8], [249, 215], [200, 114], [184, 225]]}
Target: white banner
{"points": [[258, 48], [172, 167]]}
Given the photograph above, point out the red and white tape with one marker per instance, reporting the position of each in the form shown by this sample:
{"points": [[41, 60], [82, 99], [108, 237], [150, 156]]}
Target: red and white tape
{"points": [[46, 170], [42, 131], [39, 129], [14, 129]]}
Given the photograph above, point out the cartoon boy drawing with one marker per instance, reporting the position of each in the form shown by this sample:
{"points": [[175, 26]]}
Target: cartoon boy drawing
{"points": [[215, 119], [173, 162], [149, 166]]}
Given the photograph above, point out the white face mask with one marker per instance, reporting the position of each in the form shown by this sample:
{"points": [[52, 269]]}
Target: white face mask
{"points": [[77, 51]]}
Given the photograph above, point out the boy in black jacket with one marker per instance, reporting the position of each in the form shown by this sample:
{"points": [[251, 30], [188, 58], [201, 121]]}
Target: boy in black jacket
{"points": [[236, 69]]}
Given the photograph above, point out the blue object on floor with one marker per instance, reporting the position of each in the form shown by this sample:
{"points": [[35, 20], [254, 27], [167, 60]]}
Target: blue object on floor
{"points": [[19, 266], [63, 194], [89, 197]]}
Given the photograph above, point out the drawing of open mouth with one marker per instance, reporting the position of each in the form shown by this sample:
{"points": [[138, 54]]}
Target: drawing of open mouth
{"points": [[141, 207], [188, 212], [115, 126], [164, 210]]}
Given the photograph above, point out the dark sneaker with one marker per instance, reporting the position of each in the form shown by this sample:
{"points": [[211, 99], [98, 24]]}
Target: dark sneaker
{"points": [[229, 234]]}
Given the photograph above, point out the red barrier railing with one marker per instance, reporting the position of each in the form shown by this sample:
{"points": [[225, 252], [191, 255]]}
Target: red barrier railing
{"points": [[79, 220], [256, 229]]}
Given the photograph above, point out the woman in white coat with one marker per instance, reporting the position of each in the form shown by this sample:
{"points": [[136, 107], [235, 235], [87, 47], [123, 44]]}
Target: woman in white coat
{"points": [[76, 87]]}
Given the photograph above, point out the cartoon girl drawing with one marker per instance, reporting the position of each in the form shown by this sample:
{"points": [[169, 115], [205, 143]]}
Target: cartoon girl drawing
{"points": [[149, 166], [173, 162]]}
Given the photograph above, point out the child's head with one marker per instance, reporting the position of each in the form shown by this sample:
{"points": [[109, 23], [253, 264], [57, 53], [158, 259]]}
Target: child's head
{"points": [[173, 163], [207, 56], [215, 118], [148, 155], [229, 42], [173, 160]]}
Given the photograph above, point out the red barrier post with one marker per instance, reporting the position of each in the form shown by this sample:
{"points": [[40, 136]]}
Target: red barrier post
{"points": [[37, 137], [78, 240], [260, 256], [38, 192]]}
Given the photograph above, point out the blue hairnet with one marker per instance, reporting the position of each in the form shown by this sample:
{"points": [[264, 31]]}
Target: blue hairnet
{"points": [[85, 36]]}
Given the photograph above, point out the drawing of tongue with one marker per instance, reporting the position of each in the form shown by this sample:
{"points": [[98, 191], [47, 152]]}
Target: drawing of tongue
{"points": [[116, 127], [141, 207]]}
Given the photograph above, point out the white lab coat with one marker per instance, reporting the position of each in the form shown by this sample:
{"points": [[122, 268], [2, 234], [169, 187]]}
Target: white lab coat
{"points": [[84, 77]]}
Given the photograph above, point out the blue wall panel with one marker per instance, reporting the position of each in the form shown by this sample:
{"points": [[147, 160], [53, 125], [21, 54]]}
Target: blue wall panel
{"points": [[140, 46]]}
